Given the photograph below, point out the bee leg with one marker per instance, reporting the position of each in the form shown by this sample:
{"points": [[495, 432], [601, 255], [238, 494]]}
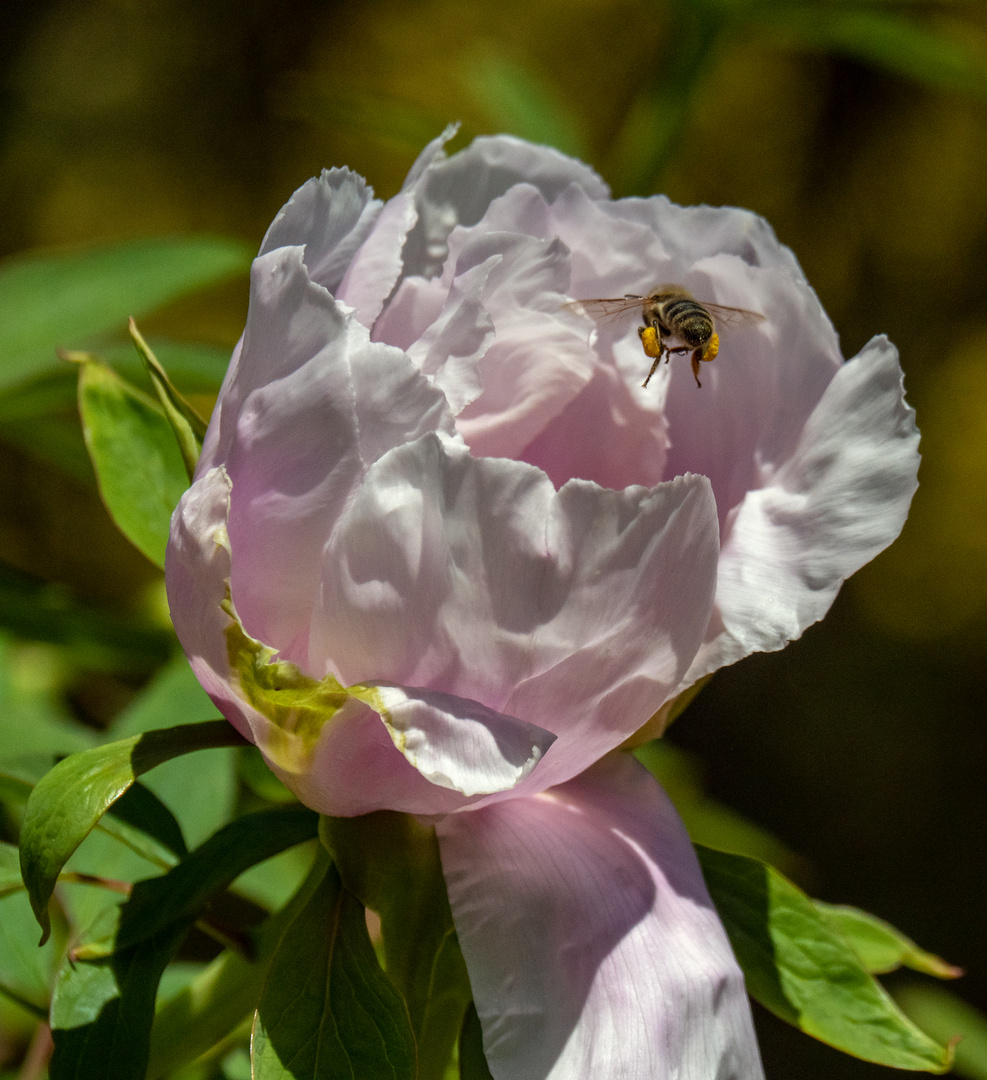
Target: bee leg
{"points": [[705, 353], [653, 346]]}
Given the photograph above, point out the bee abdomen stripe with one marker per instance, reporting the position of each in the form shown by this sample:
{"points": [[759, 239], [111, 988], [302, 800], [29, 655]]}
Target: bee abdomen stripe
{"points": [[680, 310]]}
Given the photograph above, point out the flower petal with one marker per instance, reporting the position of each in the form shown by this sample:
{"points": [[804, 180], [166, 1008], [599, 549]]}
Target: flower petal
{"points": [[458, 191], [197, 570], [310, 404], [592, 945], [838, 500], [576, 610], [331, 216]]}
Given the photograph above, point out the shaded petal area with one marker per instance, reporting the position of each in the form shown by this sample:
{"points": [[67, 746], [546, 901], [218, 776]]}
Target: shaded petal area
{"points": [[197, 569], [458, 191], [836, 502], [577, 610], [343, 752], [331, 216], [310, 404], [592, 945]]}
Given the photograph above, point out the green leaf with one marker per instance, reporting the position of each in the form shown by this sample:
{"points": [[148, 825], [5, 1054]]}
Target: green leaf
{"points": [[657, 119], [520, 101], [225, 993], [327, 1011], [472, 1061], [946, 1017], [187, 425], [26, 972], [391, 862], [184, 891], [199, 790], [710, 822], [64, 299], [196, 367], [68, 801], [10, 870], [102, 1009], [138, 466], [880, 946], [139, 811], [103, 1005], [798, 966], [41, 611], [884, 39]]}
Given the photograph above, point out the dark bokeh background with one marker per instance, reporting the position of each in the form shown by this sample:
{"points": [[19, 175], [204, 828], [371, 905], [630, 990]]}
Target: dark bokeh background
{"points": [[862, 746]]}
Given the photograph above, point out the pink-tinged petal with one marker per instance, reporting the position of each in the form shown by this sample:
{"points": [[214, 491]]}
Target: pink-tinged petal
{"points": [[330, 216], [413, 750], [592, 945], [450, 348], [838, 500], [376, 267], [197, 571], [539, 359], [308, 371], [405, 748], [458, 191], [603, 436], [459, 744], [577, 610], [692, 233]]}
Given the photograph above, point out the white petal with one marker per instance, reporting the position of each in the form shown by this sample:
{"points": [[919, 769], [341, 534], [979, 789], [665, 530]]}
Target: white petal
{"points": [[311, 403], [592, 946], [577, 610], [458, 191], [330, 216], [460, 744], [836, 502]]}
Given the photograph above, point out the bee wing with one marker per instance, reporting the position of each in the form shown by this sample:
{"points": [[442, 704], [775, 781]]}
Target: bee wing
{"points": [[731, 317], [607, 307]]}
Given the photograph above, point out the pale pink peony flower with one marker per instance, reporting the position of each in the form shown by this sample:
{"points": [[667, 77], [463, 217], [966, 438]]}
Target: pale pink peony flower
{"points": [[433, 481]]}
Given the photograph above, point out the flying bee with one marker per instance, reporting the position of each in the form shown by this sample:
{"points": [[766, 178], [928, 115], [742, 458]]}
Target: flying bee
{"points": [[671, 314]]}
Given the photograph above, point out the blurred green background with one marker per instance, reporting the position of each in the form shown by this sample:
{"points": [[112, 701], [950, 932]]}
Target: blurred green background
{"points": [[858, 130]]}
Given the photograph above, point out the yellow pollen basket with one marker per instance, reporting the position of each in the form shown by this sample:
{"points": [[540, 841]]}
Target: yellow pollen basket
{"points": [[651, 342], [711, 349]]}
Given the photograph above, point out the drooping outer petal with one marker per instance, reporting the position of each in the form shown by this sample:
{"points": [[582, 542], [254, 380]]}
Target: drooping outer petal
{"points": [[592, 945], [838, 500]]}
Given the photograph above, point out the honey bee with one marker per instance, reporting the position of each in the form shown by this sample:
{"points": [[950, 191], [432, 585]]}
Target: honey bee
{"points": [[672, 314]]}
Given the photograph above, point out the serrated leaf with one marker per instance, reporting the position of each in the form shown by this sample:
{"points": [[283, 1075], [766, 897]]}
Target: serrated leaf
{"points": [[391, 862], [798, 966], [69, 800], [138, 465], [327, 1011], [64, 299], [880, 946], [103, 1005]]}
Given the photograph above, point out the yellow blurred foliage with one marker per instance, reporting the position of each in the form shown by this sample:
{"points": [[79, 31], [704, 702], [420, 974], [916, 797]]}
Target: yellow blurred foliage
{"points": [[932, 582]]}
